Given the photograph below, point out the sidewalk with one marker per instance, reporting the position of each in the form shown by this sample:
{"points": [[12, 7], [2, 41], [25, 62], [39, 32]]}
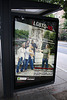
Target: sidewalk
{"points": [[42, 93], [49, 92], [46, 92]]}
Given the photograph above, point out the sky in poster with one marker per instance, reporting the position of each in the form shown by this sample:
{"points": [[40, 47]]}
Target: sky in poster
{"points": [[21, 26]]}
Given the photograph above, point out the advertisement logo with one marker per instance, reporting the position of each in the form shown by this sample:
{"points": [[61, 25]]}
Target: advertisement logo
{"points": [[39, 24]]}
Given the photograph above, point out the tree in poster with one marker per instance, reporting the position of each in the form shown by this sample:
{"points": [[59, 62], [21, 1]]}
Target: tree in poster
{"points": [[51, 36], [21, 34]]}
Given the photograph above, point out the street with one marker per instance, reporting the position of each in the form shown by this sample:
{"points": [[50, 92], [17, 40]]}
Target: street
{"points": [[62, 56], [62, 47]]}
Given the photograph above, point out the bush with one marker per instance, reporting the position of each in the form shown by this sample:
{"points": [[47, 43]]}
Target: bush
{"points": [[52, 37], [21, 34], [47, 35], [63, 36]]}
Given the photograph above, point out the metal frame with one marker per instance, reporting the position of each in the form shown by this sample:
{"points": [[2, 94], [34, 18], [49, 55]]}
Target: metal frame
{"points": [[51, 79], [6, 48], [35, 5]]}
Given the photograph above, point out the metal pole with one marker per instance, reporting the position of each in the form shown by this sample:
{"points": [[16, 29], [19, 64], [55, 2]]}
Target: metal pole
{"points": [[6, 48]]}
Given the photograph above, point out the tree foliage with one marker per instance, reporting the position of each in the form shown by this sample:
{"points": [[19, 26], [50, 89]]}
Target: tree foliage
{"points": [[63, 36], [47, 35], [51, 15], [62, 3], [65, 24], [21, 34], [52, 37]]}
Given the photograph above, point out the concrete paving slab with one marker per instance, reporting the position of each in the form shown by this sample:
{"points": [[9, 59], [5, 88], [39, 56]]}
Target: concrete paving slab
{"points": [[62, 60], [35, 90], [1, 88], [1, 75], [0, 66], [41, 95], [58, 81], [62, 75], [57, 70], [58, 88], [61, 95], [13, 98], [50, 89], [63, 86]]}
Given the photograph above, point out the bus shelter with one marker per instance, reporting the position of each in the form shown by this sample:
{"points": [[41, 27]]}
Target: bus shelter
{"points": [[23, 24]]}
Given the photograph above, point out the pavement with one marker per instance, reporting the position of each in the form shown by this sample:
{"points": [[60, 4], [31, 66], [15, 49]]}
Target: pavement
{"points": [[56, 91]]}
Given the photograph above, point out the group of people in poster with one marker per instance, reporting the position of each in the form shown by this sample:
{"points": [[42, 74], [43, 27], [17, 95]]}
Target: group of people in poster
{"points": [[26, 55]]}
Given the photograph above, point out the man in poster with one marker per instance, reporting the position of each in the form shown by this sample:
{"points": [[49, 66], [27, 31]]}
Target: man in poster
{"points": [[21, 52], [46, 53], [34, 47]]}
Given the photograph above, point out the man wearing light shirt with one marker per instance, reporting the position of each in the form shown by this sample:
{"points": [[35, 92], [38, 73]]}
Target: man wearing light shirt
{"points": [[29, 57], [21, 53]]}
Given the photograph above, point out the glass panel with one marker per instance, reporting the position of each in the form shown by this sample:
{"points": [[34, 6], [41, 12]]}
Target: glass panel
{"points": [[35, 48]]}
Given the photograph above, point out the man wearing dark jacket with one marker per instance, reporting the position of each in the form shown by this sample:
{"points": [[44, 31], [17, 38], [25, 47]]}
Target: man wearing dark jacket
{"points": [[34, 47]]}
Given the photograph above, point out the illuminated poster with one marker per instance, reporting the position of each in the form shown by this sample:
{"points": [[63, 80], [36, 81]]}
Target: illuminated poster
{"points": [[35, 50]]}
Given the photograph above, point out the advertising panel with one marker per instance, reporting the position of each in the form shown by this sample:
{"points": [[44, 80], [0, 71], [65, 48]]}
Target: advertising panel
{"points": [[35, 51]]}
